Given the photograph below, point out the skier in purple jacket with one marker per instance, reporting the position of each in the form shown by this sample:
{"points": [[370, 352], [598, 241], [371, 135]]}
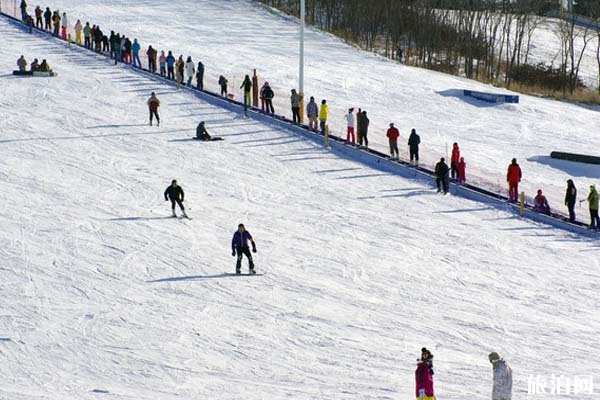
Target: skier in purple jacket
{"points": [[239, 245]]}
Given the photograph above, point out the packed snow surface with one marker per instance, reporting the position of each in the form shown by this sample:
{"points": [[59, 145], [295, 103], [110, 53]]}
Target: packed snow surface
{"points": [[106, 296]]}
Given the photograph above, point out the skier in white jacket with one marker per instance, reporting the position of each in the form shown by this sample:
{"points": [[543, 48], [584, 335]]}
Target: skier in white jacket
{"points": [[502, 389], [190, 70]]}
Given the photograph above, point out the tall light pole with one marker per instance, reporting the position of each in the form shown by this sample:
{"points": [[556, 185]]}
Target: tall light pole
{"points": [[301, 60]]}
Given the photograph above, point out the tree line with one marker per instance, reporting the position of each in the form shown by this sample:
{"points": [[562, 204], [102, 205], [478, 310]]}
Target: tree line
{"points": [[488, 40]]}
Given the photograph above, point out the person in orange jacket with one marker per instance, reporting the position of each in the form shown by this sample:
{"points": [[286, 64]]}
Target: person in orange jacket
{"points": [[513, 177]]}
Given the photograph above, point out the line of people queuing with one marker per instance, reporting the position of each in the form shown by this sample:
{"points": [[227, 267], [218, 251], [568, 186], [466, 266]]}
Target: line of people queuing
{"points": [[122, 49]]}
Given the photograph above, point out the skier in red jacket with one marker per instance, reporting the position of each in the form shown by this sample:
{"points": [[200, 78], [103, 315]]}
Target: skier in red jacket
{"points": [[454, 159], [153, 104], [393, 135], [513, 177]]}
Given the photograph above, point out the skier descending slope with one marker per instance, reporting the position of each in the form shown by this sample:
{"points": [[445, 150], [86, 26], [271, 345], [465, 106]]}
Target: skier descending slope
{"points": [[153, 104], [174, 192], [424, 376], [239, 245]]}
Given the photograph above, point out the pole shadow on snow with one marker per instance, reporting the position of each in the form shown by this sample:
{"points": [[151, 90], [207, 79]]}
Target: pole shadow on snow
{"points": [[330, 171], [112, 126], [463, 210], [412, 193], [363, 176], [200, 277], [79, 137], [279, 143], [139, 218]]}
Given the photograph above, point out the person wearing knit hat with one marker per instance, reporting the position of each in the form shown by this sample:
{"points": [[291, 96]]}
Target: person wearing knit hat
{"points": [[502, 376], [424, 376]]}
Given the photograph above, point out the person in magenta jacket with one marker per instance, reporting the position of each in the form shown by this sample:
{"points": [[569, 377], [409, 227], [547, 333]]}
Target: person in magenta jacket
{"points": [[424, 376]]}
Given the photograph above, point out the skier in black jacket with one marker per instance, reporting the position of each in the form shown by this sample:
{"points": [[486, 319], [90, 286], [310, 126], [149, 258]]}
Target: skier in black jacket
{"points": [[441, 175], [174, 192]]}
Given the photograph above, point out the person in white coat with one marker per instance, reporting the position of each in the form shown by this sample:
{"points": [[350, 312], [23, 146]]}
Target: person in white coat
{"points": [[190, 70], [350, 126], [64, 26], [502, 388]]}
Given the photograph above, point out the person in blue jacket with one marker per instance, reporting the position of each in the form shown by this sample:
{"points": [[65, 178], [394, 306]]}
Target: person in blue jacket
{"points": [[135, 48], [170, 66], [239, 245]]}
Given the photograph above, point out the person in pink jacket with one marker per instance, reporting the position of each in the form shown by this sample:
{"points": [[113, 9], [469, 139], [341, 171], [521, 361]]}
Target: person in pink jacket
{"points": [[424, 376]]}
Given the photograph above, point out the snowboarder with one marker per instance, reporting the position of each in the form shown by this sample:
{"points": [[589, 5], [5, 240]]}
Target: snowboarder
{"points": [[570, 199], [502, 387], [202, 133], [247, 87], [593, 206], [462, 170], [190, 70], [441, 175], [363, 129], [295, 102], [454, 159], [312, 111], [350, 126], [392, 135], [540, 203], [268, 94], [174, 192], [424, 376], [153, 104], [223, 84], [239, 246], [513, 177], [413, 146], [200, 76]]}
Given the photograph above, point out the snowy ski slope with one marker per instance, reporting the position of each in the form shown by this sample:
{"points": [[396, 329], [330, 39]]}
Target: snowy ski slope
{"points": [[105, 297]]}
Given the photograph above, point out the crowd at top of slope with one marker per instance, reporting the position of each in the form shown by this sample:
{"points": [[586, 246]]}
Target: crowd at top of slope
{"points": [[122, 49]]}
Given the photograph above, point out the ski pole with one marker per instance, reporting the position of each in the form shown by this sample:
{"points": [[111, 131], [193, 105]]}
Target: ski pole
{"points": [[152, 209]]}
